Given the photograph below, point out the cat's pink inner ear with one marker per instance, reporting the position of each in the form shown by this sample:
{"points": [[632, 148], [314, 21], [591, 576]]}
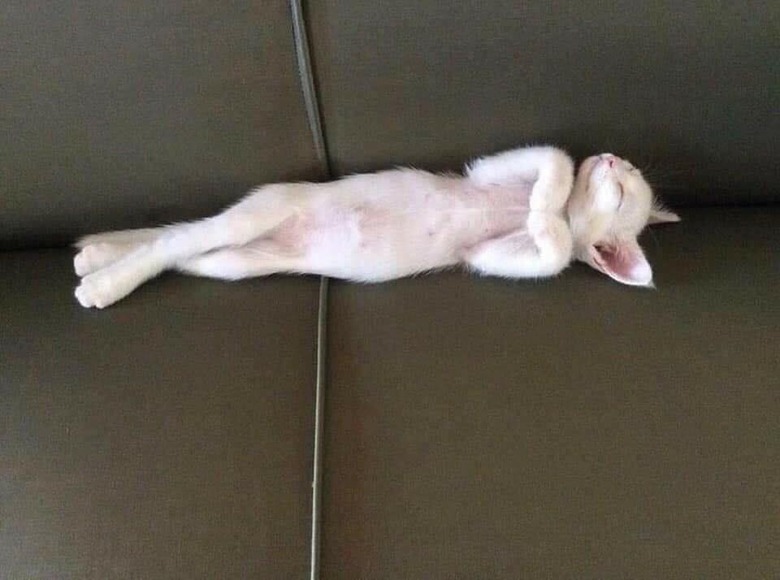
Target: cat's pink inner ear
{"points": [[623, 261]]}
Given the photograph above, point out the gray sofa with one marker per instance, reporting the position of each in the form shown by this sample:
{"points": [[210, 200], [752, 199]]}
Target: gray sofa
{"points": [[468, 428]]}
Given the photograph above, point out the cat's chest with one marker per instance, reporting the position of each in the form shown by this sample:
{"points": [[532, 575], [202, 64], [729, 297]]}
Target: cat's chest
{"points": [[500, 208], [516, 196], [483, 211]]}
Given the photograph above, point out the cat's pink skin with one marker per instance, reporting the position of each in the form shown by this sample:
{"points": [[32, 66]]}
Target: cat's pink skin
{"points": [[517, 214], [373, 238]]}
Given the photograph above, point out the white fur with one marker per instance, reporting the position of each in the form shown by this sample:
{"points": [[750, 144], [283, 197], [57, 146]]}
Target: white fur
{"points": [[609, 206], [508, 216]]}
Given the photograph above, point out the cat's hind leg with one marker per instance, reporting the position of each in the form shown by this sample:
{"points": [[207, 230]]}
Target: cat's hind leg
{"points": [[122, 237], [100, 250], [249, 219], [256, 259], [94, 257]]}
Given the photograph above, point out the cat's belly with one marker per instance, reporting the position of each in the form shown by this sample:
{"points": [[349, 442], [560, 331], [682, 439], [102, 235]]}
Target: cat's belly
{"points": [[373, 244]]}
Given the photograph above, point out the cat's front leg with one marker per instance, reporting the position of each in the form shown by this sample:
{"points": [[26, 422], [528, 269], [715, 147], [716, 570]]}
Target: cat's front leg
{"points": [[550, 169], [544, 249], [554, 182]]}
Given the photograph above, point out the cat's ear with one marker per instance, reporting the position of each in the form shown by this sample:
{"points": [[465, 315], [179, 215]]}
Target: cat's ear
{"points": [[659, 215], [623, 261]]}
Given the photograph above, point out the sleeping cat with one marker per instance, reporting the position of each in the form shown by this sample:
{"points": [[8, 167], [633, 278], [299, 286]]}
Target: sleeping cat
{"points": [[517, 214]]}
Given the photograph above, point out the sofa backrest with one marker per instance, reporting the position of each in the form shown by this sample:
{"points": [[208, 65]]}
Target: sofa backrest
{"points": [[690, 89], [125, 113]]}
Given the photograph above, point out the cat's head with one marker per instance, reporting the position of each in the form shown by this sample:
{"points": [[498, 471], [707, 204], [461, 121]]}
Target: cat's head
{"points": [[611, 203]]}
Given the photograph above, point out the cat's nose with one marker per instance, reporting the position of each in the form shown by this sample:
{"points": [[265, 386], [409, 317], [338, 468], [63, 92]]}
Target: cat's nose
{"points": [[609, 159]]}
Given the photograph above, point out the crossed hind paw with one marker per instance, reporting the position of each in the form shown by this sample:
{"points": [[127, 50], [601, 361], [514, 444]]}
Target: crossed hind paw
{"points": [[103, 282], [105, 287], [95, 291], [96, 256]]}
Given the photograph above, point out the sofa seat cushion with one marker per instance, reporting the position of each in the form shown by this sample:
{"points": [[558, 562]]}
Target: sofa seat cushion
{"points": [[570, 428], [169, 436]]}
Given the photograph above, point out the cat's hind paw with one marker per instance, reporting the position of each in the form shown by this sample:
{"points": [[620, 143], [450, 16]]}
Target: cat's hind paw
{"points": [[99, 290], [97, 256]]}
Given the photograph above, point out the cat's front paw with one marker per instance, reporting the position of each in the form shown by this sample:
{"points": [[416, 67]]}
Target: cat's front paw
{"points": [[551, 234], [554, 184], [539, 226]]}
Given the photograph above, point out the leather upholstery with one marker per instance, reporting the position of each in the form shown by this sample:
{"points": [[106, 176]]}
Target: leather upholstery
{"points": [[571, 428], [473, 428], [169, 437], [129, 113], [683, 88]]}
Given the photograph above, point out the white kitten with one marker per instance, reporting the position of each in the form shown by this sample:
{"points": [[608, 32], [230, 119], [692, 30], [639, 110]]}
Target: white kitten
{"points": [[518, 214]]}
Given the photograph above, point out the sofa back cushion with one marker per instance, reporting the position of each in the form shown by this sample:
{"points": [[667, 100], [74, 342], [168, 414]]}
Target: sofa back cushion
{"points": [[130, 112], [686, 88]]}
